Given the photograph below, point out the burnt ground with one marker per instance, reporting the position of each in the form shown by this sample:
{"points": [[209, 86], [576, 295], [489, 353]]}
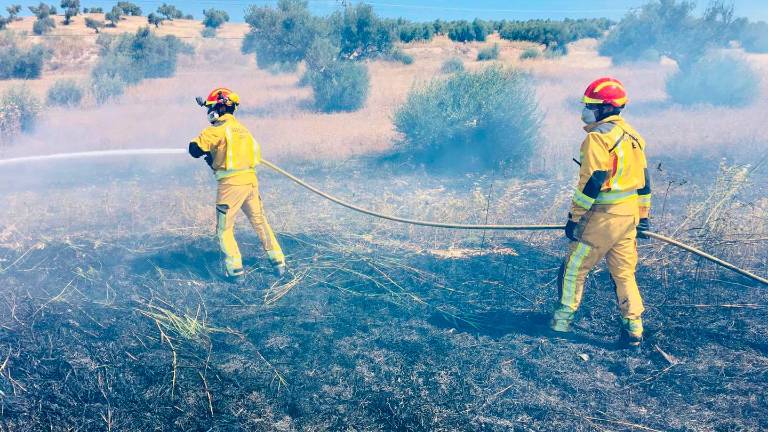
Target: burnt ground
{"points": [[369, 338]]}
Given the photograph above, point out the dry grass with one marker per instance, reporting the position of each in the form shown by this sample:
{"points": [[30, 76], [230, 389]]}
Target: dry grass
{"points": [[277, 110]]}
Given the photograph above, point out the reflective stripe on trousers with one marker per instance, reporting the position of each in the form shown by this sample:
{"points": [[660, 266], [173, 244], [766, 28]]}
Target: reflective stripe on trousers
{"points": [[230, 200], [610, 236]]}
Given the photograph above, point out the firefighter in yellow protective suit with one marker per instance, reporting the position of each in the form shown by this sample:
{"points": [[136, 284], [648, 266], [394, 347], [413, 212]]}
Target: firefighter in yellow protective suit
{"points": [[233, 154], [610, 209]]}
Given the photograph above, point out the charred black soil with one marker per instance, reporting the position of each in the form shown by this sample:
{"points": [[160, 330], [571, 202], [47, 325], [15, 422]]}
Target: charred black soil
{"points": [[141, 334]]}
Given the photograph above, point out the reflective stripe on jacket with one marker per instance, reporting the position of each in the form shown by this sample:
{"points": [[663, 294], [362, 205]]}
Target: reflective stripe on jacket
{"points": [[613, 170]]}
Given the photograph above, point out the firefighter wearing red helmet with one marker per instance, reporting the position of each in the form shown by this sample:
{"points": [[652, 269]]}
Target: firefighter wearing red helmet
{"points": [[233, 153], [610, 208]]}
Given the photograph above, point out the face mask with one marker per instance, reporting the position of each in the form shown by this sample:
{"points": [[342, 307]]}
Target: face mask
{"points": [[588, 116], [213, 116]]}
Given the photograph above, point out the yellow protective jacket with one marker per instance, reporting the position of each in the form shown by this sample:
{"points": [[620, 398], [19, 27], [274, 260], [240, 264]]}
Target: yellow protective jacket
{"points": [[614, 171], [231, 151]]}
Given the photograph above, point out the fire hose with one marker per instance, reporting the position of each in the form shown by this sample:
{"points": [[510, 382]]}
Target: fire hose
{"points": [[302, 183]]}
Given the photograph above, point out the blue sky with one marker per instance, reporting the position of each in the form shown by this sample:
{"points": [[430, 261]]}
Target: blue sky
{"points": [[423, 10]]}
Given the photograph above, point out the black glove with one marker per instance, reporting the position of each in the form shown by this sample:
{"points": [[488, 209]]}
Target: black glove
{"points": [[570, 228], [209, 159], [644, 225]]}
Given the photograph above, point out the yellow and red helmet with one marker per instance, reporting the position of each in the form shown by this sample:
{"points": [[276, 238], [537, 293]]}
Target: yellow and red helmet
{"points": [[606, 91], [223, 96]]}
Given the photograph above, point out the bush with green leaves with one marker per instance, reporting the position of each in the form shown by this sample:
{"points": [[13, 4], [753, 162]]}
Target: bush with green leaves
{"points": [[155, 20], [754, 37], [464, 31], [13, 12], [64, 92], [361, 33], [281, 35], [170, 12], [530, 53], [18, 60], [718, 79], [114, 16], [214, 18], [129, 58], [208, 32], [414, 32], [669, 28], [129, 9], [44, 22], [343, 86], [452, 65], [94, 24], [21, 100], [42, 26], [106, 88], [71, 9], [42, 10], [337, 84], [554, 35], [470, 121], [401, 56], [93, 10], [489, 53]]}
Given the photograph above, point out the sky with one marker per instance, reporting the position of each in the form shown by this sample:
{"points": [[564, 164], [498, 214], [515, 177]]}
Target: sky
{"points": [[427, 10]]}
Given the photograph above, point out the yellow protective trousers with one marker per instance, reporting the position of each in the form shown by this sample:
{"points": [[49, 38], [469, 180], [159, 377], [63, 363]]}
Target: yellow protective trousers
{"points": [[614, 237], [230, 199]]}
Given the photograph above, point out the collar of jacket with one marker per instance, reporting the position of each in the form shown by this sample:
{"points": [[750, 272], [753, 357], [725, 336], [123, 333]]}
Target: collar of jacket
{"points": [[611, 119], [223, 119]]}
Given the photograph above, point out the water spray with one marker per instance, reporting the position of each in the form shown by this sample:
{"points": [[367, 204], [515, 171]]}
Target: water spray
{"points": [[302, 183]]}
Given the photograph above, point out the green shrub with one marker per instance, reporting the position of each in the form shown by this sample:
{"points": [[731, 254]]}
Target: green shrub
{"points": [[129, 8], [94, 24], [668, 27], [470, 121], [170, 12], [488, 53], [214, 18], [42, 26], [93, 10], [413, 32], [338, 85], [401, 56], [463, 31], [106, 88], [530, 53], [42, 10], [65, 92], [281, 35], [17, 61], [10, 123], [717, 79], [21, 100], [71, 9], [754, 37], [452, 65], [555, 35], [13, 12], [361, 33], [114, 16], [156, 20], [208, 32], [133, 57]]}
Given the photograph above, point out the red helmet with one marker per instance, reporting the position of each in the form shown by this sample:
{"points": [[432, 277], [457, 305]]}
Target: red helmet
{"points": [[223, 96], [606, 91]]}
